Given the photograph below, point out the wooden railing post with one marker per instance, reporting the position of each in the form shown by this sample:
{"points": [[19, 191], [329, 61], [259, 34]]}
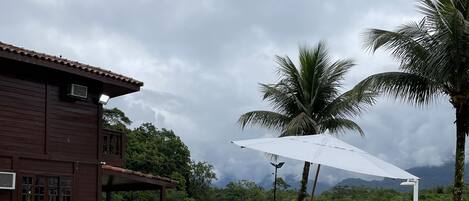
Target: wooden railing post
{"points": [[163, 193], [108, 196]]}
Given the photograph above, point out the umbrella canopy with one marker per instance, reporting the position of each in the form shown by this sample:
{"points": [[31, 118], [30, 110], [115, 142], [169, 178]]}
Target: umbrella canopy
{"points": [[327, 150]]}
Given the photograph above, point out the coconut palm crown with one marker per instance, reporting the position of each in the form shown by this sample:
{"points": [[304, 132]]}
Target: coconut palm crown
{"points": [[307, 99], [434, 61]]}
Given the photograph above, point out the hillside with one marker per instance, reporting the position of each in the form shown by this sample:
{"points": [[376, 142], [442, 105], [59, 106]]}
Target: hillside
{"points": [[431, 177]]}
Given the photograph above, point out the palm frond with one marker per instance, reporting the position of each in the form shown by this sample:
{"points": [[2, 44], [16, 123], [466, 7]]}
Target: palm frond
{"points": [[290, 76], [302, 124], [331, 82], [411, 44], [280, 98], [407, 86], [340, 125], [338, 69], [350, 103], [267, 119]]}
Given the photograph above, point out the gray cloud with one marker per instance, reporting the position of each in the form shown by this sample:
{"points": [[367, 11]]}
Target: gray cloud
{"points": [[201, 62]]}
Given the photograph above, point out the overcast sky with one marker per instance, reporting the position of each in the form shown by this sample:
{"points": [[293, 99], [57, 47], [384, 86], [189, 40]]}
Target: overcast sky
{"points": [[201, 62]]}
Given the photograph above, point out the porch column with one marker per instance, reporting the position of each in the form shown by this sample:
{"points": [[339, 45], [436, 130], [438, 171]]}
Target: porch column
{"points": [[163, 193], [108, 196]]}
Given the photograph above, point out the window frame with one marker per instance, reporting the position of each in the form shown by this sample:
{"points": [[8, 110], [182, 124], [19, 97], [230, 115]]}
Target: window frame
{"points": [[46, 194]]}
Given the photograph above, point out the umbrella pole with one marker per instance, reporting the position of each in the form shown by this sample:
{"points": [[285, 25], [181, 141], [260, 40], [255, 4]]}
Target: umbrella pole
{"points": [[416, 190], [275, 183], [315, 181]]}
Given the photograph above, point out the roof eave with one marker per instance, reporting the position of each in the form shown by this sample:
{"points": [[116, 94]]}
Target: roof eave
{"points": [[128, 87]]}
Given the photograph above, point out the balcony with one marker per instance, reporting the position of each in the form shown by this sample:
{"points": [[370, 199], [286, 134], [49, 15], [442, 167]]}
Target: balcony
{"points": [[113, 148]]}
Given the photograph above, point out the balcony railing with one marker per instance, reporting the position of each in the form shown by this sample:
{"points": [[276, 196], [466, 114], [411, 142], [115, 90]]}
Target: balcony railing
{"points": [[113, 146]]}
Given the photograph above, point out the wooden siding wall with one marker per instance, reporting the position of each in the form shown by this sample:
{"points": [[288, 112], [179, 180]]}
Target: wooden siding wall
{"points": [[87, 176], [6, 164], [72, 127], [22, 115], [42, 134]]}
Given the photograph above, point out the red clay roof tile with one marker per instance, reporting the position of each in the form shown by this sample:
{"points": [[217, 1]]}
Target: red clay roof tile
{"points": [[136, 173], [68, 63]]}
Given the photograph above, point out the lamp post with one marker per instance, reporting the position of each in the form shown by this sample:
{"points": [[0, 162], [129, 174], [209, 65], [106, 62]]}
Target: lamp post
{"points": [[277, 166]]}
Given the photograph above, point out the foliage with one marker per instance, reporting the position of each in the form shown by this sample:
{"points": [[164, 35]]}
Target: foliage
{"points": [[200, 180], [159, 152], [345, 193], [248, 190], [363, 194], [115, 119], [177, 195], [282, 184], [243, 191], [434, 61], [307, 99], [155, 151]]}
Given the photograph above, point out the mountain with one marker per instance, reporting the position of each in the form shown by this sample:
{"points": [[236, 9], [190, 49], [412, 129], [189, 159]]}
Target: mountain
{"points": [[222, 182], [430, 177]]}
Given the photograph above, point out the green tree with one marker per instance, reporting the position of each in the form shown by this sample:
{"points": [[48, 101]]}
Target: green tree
{"points": [[176, 195], [151, 150], [155, 151], [434, 61], [341, 193], [307, 101], [282, 184], [244, 190], [115, 119], [200, 179]]}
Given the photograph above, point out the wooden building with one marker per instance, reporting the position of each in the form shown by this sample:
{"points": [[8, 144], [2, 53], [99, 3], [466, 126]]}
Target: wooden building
{"points": [[52, 143]]}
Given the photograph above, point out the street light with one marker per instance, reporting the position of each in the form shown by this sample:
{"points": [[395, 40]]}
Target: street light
{"points": [[277, 166]]}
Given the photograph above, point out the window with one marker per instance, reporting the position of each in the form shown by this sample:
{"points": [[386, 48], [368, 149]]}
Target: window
{"points": [[27, 189], [65, 189], [112, 143], [53, 188], [41, 188]]}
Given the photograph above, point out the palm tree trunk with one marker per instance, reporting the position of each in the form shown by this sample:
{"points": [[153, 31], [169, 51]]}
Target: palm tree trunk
{"points": [[304, 182], [461, 131]]}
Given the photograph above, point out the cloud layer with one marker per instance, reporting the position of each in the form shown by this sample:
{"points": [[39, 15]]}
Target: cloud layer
{"points": [[201, 62]]}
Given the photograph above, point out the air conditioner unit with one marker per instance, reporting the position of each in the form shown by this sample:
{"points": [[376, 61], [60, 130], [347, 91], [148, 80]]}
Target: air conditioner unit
{"points": [[7, 180], [78, 91]]}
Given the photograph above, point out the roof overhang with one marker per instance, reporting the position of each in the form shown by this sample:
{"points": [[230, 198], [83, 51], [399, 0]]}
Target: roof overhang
{"points": [[113, 84], [120, 179]]}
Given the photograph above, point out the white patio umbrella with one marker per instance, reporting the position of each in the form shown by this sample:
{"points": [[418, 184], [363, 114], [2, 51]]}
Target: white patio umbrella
{"points": [[324, 149]]}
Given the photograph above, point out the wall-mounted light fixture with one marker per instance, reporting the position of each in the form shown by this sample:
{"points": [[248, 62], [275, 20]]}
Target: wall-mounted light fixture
{"points": [[103, 99]]}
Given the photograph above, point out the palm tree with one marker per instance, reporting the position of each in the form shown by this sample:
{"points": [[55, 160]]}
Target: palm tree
{"points": [[306, 100], [434, 61]]}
